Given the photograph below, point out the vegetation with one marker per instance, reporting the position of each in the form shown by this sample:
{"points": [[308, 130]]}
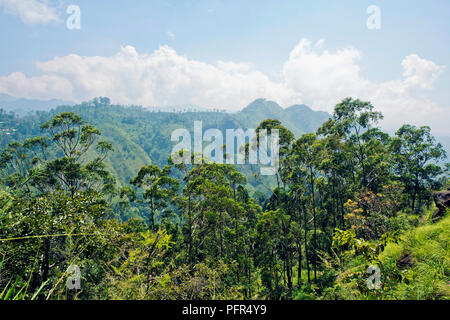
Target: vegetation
{"points": [[346, 200]]}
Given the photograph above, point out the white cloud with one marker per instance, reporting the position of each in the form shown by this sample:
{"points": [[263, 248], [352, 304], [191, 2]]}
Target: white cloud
{"points": [[311, 75], [324, 78], [420, 72], [161, 78], [42, 87], [31, 11]]}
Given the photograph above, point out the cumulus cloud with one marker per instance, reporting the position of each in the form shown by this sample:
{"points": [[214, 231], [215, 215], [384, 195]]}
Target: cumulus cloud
{"points": [[324, 78], [420, 72], [31, 11], [161, 78], [311, 75], [41, 87]]}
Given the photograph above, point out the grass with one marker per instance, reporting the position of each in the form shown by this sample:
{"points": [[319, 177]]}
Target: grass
{"points": [[18, 290], [428, 275]]}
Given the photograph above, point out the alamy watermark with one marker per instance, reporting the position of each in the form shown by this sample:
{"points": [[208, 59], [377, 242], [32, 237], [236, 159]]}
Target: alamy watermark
{"points": [[74, 278], [73, 22], [234, 152], [374, 20], [374, 280]]}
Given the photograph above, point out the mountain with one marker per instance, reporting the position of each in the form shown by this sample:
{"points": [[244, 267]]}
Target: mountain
{"points": [[141, 136], [304, 118], [22, 106], [261, 109], [297, 118]]}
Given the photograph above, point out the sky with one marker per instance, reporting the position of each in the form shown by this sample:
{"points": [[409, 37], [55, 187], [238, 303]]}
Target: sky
{"points": [[226, 53]]}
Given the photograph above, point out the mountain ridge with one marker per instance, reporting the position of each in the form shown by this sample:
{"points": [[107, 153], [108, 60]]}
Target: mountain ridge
{"points": [[23, 106], [144, 136], [298, 118]]}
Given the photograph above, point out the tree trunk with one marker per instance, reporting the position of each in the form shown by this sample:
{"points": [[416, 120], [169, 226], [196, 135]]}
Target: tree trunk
{"points": [[46, 260], [152, 216], [299, 271], [315, 225], [306, 243], [191, 262]]}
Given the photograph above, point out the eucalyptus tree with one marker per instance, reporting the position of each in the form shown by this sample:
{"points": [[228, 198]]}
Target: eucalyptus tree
{"points": [[267, 246], [66, 162], [215, 205], [353, 122], [285, 137], [68, 157], [16, 164], [158, 188], [77, 166], [297, 201], [416, 154], [245, 242], [307, 152]]}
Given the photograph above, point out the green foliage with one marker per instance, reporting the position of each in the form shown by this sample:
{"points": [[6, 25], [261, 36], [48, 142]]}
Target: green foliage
{"points": [[414, 150], [428, 270], [158, 187], [139, 226]]}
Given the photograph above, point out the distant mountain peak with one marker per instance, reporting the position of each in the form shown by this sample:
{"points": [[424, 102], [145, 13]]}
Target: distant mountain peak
{"points": [[263, 105], [298, 118], [299, 107], [24, 106]]}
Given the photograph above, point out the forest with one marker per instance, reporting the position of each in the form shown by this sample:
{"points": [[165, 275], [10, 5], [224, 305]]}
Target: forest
{"points": [[349, 214]]}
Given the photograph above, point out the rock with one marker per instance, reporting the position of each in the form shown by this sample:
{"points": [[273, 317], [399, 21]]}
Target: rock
{"points": [[442, 201], [406, 261]]}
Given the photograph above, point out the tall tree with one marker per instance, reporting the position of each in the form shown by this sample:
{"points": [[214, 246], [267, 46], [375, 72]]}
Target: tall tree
{"points": [[158, 188], [307, 152], [416, 155], [354, 121]]}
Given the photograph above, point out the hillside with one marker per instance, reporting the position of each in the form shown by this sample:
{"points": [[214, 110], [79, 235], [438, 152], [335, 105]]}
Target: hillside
{"points": [[141, 136], [423, 256], [335, 228], [417, 267]]}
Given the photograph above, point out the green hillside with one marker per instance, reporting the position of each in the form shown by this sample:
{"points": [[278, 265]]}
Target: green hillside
{"points": [[423, 255], [346, 214], [416, 266], [127, 158], [141, 136]]}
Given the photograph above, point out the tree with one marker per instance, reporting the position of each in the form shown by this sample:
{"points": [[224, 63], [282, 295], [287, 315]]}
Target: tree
{"points": [[285, 140], [61, 160], [307, 151], [416, 153], [45, 234], [354, 121], [143, 271], [158, 187], [73, 171]]}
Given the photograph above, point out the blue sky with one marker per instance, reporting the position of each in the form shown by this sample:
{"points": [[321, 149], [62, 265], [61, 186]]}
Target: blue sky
{"points": [[225, 53]]}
